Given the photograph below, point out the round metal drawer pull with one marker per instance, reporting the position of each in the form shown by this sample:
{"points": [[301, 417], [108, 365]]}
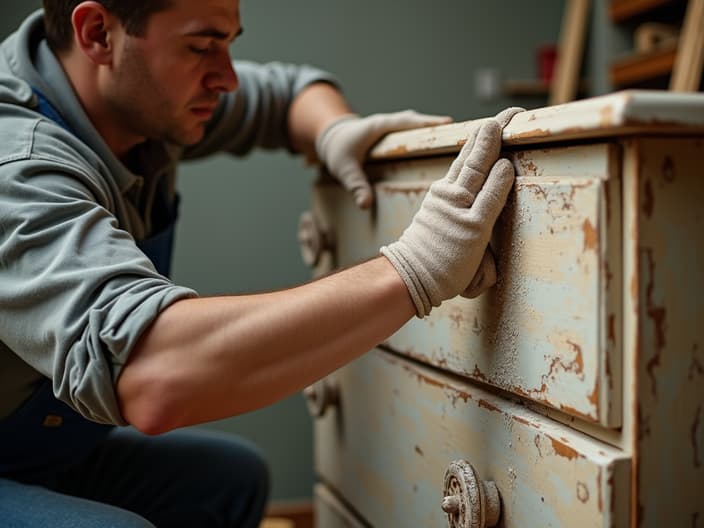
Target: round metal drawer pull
{"points": [[468, 501], [312, 239], [320, 396]]}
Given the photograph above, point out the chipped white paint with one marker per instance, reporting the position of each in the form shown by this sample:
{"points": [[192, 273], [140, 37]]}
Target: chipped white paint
{"points": [[665, 329], [547, 331], [642, 330], [399, 425], [619, 114]]}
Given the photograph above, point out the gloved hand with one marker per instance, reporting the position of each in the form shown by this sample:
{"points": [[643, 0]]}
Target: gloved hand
{"points": [[485, 277], [439, 254], [343, 145]]}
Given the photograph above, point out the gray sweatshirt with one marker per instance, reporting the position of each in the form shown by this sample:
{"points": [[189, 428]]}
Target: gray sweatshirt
{"points": [[75, 290]]}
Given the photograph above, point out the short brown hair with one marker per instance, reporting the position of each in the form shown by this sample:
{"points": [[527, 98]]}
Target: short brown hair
{"points": [[133, 14]]}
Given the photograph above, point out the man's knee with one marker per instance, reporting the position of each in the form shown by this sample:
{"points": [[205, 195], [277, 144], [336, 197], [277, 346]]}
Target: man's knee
{"points": [[30, 506]]}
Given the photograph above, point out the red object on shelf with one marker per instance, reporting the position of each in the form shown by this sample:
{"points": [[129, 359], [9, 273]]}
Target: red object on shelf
{"points": [[547, 55]]}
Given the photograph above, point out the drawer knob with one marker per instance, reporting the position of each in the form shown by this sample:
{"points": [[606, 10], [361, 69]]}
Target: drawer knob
{"points": [[320, 396], [312, 239], [468, 501]]}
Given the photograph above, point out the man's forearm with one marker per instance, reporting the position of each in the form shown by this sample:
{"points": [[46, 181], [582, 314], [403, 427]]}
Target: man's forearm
{"points": [[211, 358], [313, 109]]}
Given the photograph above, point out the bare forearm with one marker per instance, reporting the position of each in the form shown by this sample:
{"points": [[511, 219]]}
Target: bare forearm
{"points": [[314, 108], [205, 359]]}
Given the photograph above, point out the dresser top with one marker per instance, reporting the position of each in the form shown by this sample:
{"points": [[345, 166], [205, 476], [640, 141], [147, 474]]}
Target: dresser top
{"points": [[618, 114]]}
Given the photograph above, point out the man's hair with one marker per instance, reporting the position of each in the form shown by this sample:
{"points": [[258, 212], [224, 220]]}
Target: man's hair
{"points": [[133, 14]]}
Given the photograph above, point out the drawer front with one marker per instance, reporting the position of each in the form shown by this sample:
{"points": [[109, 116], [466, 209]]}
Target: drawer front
{"points": [[330, 512], [399, 424], [550, 329]]}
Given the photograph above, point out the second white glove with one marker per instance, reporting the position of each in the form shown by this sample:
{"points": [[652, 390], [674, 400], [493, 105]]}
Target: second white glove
{"points": [[343, 146]]}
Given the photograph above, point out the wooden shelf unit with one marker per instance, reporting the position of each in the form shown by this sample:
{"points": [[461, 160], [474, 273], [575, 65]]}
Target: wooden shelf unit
{"points": [[623, 10], [638, 68]]}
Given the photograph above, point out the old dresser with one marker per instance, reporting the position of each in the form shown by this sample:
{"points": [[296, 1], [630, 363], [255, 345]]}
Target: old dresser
{"points": [[572, 393]]}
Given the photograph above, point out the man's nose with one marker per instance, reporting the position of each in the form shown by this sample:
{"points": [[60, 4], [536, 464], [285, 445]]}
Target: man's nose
{"points": [[223, 78]]}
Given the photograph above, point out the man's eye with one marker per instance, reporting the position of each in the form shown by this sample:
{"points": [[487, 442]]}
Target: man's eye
{"points": [[199, 51]]}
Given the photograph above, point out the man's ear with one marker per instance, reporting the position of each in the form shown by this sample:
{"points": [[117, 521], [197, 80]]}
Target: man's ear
{"points": [[93, 31]]}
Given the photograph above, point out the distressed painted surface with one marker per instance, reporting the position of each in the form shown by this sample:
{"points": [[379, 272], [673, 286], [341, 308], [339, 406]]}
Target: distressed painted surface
{"points": [[624, 113], [399, 424], [330, 512], [550, 329], [665, 308]]}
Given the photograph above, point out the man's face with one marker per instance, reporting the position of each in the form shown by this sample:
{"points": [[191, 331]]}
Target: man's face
{"points": [[165, 84]]}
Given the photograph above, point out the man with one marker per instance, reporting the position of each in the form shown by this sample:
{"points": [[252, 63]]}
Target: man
{"points": [[98, 102]]}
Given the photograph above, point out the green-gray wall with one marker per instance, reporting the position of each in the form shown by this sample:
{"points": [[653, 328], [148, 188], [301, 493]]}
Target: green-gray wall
{"points": [[238, 227]]}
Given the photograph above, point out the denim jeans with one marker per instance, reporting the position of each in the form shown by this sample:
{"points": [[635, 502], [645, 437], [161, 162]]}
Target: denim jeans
{"points": [[186, 478]]}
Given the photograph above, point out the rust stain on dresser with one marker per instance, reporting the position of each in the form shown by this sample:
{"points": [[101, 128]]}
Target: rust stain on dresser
{"points": [[591, 238], [582, 492], [563, 450], [486, 405], [455, 393], [401, 150], [537, 132], [658, 315]]}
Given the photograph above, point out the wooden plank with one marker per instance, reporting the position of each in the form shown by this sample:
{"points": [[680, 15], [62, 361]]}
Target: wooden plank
{"points": [[399, 425], [640, 67], [622, 10], [687, 71], [569, 52], [549, 331]]}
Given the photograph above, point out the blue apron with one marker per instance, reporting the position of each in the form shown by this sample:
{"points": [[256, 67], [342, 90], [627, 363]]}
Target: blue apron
{"points": [[44, 432]]}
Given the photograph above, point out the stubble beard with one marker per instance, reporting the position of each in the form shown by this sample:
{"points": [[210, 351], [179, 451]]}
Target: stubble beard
{"points": [[141, 106]]}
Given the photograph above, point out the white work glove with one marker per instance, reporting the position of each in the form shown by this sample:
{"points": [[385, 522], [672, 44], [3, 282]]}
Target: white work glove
{"points": [[486, 275], [343, 146], [439, 254]]}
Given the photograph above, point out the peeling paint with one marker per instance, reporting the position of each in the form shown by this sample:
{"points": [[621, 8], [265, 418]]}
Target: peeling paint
{"points": [[535, 133], [563, 450], [591, 238], [658, 315], [395, 152], [530, 167], [599, 498], [594, 396], [582, 492], [486, 405]]}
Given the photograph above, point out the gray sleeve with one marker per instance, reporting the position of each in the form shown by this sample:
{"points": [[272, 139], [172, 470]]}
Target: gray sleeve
{"points": [[256, 114], [75, 290]]}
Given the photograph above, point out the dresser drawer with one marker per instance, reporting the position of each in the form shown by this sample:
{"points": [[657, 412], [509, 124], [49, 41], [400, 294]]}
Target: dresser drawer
{"points": [[398, 424], [330, 512], [550, 329]]}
